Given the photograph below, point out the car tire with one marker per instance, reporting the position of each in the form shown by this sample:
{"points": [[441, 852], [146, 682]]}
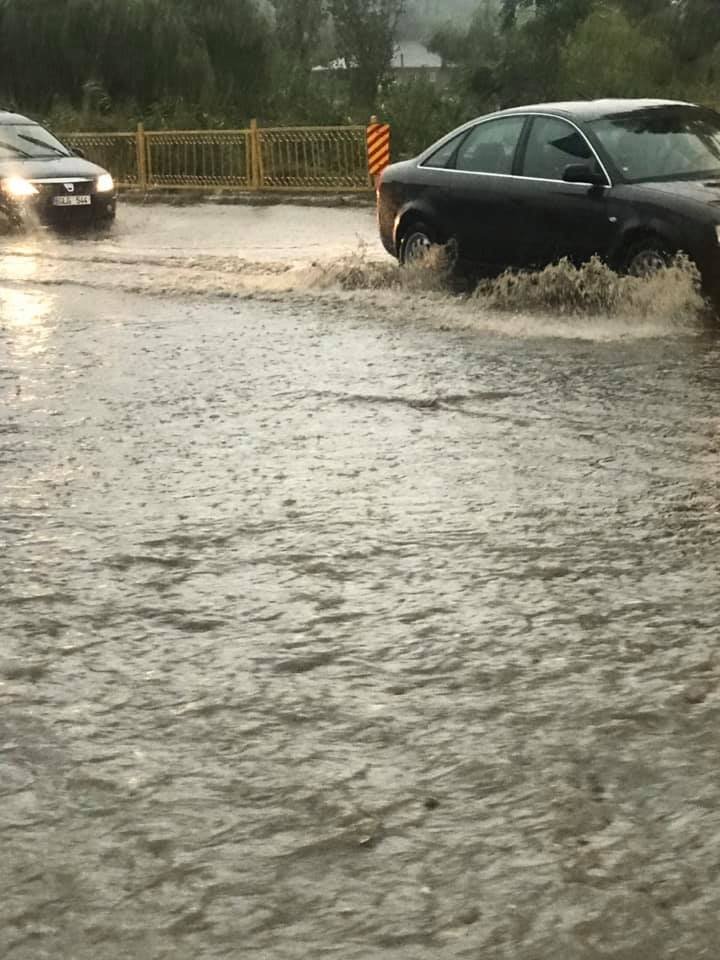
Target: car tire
{"points": [[416, 242], [645, 257], [419, 238]]}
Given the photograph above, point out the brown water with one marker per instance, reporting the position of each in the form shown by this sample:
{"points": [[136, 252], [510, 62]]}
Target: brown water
{"points": [[349, 624]]}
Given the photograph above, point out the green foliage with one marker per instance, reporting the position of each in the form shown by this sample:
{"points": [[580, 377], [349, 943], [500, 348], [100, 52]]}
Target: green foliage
{"points": [[419, 112], [213, 52], [627, 60], [421, 18], [536, 50], [697, 32], [107, 64], [366, 31]]}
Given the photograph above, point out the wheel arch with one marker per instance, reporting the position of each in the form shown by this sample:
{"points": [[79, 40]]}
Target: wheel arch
{"points": [[409, 214], [636, 233]]}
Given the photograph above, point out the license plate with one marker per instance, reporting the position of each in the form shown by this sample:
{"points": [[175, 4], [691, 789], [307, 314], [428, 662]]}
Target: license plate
{"points": [[82, 200]]}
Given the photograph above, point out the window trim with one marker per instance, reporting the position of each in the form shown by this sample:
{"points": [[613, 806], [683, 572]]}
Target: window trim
{"points": [[519, 150]]}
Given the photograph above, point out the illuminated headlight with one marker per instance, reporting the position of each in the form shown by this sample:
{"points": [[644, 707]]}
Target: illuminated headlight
{"points": [[105, 183], [17, 187], [717, 232]]}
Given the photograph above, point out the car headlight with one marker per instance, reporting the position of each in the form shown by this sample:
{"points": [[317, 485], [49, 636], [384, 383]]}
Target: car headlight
{"points": [[18, 187], [105, 183], [717, 232]]}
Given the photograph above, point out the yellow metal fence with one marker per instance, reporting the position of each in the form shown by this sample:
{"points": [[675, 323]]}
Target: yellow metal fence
{"points": [[279, 158]]}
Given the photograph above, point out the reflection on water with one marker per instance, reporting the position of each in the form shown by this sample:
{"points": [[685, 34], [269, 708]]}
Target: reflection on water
{"points": [[24, 314], [24, 310], [22, 266]]}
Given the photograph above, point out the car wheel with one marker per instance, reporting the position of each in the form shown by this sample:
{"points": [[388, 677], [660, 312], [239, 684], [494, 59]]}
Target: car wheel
{"points": [[416, 243], [646, 257], [419, 239]]}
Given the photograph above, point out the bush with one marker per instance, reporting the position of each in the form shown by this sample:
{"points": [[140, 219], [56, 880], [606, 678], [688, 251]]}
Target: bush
{"points": [[420, 112], [626, 60]]}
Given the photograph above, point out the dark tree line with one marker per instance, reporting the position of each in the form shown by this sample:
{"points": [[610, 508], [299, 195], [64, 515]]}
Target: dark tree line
{"points": [[224, 56], [140, 50]]}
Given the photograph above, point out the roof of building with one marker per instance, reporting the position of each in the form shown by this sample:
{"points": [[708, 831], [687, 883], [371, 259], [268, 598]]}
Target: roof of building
{"points": [[409, 55], [412, 55]]}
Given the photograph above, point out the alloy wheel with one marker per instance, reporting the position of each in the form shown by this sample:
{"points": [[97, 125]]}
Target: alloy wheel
{"points": [[416, 247], [647, 262]]}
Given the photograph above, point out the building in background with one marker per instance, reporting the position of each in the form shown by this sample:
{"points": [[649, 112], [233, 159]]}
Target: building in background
{"points": [[412, 59]]}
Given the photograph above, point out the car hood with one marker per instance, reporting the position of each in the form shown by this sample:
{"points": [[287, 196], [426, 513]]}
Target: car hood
{"points": [[702, 191], [49, 168]]}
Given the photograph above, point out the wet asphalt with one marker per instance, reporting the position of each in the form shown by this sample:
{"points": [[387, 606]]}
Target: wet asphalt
{"points": [[347, 623]]}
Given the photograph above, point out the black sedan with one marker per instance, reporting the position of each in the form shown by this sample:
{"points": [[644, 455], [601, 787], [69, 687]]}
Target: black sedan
{"points": [[41, 178], [633, 181]]}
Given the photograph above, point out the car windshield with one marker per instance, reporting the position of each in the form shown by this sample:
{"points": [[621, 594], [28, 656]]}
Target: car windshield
{"points": [[662, 143], [28, 141]]}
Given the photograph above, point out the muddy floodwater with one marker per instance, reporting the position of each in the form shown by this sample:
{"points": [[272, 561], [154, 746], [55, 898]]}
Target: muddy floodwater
{"points": [[348, 623]]}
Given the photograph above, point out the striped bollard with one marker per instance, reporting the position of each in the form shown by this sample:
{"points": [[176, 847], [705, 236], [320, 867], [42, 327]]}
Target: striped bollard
{"points": [[378, 147]]}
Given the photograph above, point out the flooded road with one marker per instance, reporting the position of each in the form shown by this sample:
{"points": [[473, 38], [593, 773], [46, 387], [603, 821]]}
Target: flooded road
{"points": [[347, 623]]}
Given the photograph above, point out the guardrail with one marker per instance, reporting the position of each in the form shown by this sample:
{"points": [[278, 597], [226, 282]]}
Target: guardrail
{"points": [[117, 152], [323, 159]]}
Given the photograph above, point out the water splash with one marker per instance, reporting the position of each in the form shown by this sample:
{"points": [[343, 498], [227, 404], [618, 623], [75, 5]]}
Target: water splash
{"points": [[562, 300], [361, 271], [593, 289]]}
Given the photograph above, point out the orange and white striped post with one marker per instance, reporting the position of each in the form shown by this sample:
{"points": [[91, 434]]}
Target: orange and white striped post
{"points": [[378, 147]]}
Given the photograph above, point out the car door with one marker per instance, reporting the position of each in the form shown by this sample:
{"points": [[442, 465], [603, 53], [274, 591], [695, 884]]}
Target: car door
{"points": [[574, 220], [480, 200]]}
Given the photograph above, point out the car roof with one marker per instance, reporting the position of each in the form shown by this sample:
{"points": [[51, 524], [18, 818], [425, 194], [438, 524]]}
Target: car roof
{"points": [[585, 110], [7, 118]]}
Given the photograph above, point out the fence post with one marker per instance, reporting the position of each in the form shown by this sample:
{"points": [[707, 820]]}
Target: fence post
{"points": [[255, 163], [141, 152], [260, 160]]}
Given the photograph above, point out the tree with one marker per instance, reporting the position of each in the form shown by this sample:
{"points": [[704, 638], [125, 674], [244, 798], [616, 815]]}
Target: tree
{"points": [[562, 14], [476, 52], [626, 58], [366, 31], [298, 32], [136, 51], [298, 24]]}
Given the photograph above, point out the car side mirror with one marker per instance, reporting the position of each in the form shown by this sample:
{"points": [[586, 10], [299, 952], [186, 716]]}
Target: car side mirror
{"points": [[78, 152], [583, 173]]}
